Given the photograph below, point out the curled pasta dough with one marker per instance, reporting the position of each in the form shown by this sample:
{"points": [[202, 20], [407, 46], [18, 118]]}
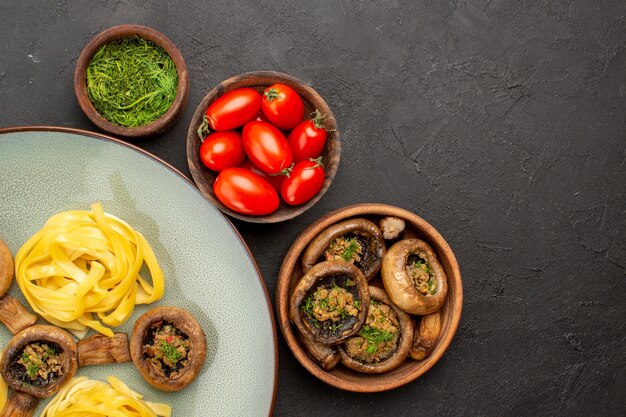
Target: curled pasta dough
{"points": [[82, 270], [82, 396]]}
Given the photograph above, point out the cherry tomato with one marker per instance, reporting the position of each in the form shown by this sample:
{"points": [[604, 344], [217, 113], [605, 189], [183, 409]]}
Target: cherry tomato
{"points": [[222, 149], [274, 180], [266, 147], [307, 140], [233, 109], [244, 192], [304, 182], [282, 106]]}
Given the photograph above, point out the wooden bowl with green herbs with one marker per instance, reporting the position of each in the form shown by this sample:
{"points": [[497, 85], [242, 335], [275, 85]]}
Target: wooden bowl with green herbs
{"points": [[131, 81]]}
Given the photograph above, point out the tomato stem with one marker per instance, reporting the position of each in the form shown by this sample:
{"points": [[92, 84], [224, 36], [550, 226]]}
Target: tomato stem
{"points": [[271, 94], [317, 118], [203, 130], [286, 171], [318, 162]]}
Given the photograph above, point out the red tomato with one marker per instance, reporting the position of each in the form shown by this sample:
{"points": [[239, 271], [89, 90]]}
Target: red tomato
{"points": [[266, 147], [244, 192], [282, 106], [222, 150], [307, 140], [305, 181], [274, 180], [233, 109]]}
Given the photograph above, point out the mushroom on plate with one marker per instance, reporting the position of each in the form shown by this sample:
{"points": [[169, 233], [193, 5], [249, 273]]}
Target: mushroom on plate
{"points": [[168, 347], [383, 342], [357, 241], [39, 360], [7, 268], [413, 277], [330, 302]]}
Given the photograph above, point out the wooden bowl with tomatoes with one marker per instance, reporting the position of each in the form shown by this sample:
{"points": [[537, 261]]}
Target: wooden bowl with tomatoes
{"points": [[263, 147]]}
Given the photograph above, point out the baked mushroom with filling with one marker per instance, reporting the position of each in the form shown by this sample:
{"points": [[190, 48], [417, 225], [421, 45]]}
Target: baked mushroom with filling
{"points": [[330, 302], [357, 241], [413, 277], [168, 348], [383, 342], [39, 360]]}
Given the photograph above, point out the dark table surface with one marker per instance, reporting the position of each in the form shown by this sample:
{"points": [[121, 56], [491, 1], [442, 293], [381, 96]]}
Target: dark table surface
{"points": [[502, 123]]}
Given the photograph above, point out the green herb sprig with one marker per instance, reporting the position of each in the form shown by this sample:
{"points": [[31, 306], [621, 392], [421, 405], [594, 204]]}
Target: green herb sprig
{"points": [[132, 81]]}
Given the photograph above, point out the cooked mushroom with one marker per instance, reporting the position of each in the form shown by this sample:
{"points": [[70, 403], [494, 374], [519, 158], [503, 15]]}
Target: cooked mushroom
{"points": [[326, 356], [391, 227], [39, 360], [20, 404], [330, 302], [14, 315], [383, 342], [100, 349], [358, 241], [426, 336], [7, 269], [413, 277], [168, 348]]}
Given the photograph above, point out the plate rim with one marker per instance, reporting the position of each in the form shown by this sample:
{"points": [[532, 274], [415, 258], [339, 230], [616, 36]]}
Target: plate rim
{"points": [[175, 171]]}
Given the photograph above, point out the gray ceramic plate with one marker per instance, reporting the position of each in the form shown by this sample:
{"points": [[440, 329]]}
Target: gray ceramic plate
{"points": [[207, 266]]}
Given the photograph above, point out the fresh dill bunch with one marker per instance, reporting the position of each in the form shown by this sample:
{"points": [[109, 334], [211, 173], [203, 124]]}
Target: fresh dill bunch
{"points": [[132, 81]]}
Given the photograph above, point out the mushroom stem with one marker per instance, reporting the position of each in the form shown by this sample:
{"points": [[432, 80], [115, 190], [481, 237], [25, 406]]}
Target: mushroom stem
{"points": [[20, 404], [326, 356], [14, 315], [101, 349], [426, 336]]}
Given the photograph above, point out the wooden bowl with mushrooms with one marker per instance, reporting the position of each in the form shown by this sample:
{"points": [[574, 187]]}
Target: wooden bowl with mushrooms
{"points": [[412, 312], [205, 178]]}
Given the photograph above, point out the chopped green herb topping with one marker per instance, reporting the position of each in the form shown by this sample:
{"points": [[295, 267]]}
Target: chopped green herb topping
{"points": [[170, 352], [352, 248], [132, 81], [32, 370], [374, 337], [432, 286]]}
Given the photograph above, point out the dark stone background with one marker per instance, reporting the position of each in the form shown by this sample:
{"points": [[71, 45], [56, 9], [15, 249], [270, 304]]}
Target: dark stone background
{"points": [[500, 122]]}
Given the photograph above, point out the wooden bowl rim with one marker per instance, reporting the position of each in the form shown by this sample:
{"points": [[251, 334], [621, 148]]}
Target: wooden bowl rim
{"points": [[370, 383], [197, 169], [160, 125]]}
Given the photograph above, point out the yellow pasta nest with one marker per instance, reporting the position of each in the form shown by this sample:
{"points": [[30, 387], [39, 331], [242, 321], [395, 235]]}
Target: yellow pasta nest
{"points": [[85, 397], [85, 265]]}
